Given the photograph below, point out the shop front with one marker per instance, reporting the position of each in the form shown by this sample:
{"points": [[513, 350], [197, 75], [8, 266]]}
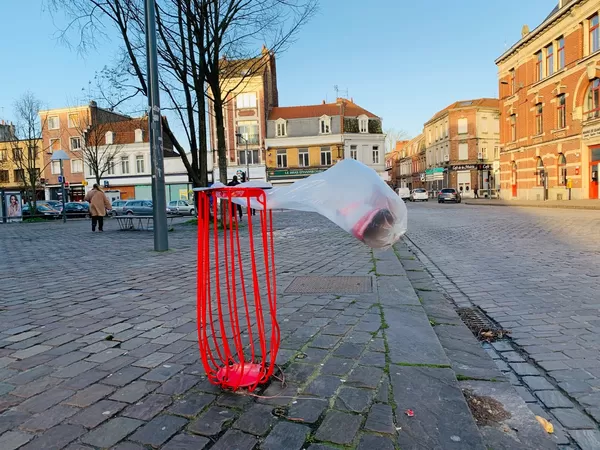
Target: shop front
{"points": [[288, 176]]}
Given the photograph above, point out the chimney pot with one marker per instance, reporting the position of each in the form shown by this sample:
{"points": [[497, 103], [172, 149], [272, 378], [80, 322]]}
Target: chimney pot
{"points": [[323, 101]]}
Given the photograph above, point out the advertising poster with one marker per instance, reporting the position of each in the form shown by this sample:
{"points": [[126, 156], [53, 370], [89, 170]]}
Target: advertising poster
{"points": [[12, 205]]}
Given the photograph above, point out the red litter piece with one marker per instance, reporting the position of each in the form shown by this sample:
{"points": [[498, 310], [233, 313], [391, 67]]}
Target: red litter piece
{"points": [[409, 413]]}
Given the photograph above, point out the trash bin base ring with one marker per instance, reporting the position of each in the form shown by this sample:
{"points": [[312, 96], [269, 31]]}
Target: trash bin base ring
{"points": [[238, 375]]}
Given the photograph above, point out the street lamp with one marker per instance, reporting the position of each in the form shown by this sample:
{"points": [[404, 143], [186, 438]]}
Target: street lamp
{"points": [[60, 156], [239, 136]]}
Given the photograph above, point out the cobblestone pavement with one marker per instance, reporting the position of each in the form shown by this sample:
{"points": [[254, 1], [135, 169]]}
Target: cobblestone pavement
{"points": [[98, 349], [536, 272]]}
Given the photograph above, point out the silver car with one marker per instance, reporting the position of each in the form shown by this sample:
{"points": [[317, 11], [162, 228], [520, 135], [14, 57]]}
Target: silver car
{"points": [[181, 207], [138, 208], [117, 207]]}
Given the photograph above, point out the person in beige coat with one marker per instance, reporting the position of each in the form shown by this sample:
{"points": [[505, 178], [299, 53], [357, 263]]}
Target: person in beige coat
{"points": [[99, 203]]}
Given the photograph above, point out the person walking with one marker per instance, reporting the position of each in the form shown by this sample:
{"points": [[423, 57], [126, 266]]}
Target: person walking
{"points": [[99, 203], [235, 182]]}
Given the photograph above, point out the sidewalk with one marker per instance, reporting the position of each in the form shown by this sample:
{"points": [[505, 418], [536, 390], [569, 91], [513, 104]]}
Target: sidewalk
{"points": [[107, 356], [562, 204]]}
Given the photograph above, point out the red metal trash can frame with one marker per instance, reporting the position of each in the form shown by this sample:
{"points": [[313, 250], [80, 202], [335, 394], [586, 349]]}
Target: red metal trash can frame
{"points": [[238, 334]]}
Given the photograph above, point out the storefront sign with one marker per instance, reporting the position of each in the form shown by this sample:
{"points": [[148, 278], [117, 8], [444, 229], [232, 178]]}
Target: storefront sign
{"points": [[293, 173], [590, 132], [471, 167]]}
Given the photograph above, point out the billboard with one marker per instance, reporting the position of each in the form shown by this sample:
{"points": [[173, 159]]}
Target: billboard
{"points": [[12, 205]]}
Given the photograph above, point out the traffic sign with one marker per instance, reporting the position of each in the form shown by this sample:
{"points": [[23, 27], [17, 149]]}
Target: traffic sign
{"points": [[106, 184], [61, 179]]}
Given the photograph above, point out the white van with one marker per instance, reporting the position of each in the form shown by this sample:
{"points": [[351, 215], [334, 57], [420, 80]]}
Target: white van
{"points": [[403, 193]]}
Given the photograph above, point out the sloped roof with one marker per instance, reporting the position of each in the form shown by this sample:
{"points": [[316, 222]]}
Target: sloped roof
{"points": [[324, 109], [464, 104]]}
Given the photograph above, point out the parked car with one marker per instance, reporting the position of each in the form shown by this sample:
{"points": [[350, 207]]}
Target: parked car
{"points": [[181, 207], [77, 209], [117, 207], [138, 208], [43, 211], [403, 193], [53, 204], [448, 195], [419, 195]]}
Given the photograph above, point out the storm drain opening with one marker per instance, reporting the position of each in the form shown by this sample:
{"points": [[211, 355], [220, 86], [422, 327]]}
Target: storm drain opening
{"points": [[331, 285], [479, 324]]}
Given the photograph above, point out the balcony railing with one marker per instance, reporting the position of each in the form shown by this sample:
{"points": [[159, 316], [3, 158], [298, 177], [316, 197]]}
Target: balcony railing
{"points": [[253, 139]]}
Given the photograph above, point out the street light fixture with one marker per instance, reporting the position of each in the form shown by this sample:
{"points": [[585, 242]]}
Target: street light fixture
{"points": [[60, 156], [239, 136]]}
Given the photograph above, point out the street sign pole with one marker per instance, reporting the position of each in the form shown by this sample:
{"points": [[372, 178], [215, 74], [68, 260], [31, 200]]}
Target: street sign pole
{"points": [[62, 188], [159, 200]]}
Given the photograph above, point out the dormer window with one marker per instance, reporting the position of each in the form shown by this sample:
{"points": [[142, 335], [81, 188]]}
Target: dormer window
{"points": [[139, 135], [325, 125], [363, 124], [281, 128], [109, 137]]}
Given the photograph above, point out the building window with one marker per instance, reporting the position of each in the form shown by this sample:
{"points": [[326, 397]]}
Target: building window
{"points": [[539, 68], [19, 175], [353, 152], [550, 60], [593, 99], [539, 121], [325, 125], [560, 53], [109, 138], [246, 100], [561, 111], [249, 131], [484, 125], [484, 154], [75, 143], [539, 172], [281, 128], [496, 153], [90, 171], [513, 82], [463, 151], [303, 160], [363, 124], [3, 155], [55, 167], [562, 169], [281, 158], [252, 157], [17, 154], [76, 166], [4, 176], [594, 34], [513, 127], [462, 126], [325, 156], [375, 154], [139, 135], [124, 164], [53, 123], [111, 167], [54, 144], [73, 120], [139, 164]]}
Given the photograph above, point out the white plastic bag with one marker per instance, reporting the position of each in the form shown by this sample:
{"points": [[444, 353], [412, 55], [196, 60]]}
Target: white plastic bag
{"points": [[351, 195]]}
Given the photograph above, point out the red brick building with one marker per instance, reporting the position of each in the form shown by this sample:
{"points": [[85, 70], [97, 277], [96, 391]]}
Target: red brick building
{"points": [[549, 86]]}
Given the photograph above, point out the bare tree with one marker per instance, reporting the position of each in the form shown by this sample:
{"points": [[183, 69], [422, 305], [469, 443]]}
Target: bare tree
{"points": [[27, 148], [100, 146], [393, 135], [194, 36]]}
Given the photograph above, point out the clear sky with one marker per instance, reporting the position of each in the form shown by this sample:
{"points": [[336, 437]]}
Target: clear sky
{"points": [[401, 59]]}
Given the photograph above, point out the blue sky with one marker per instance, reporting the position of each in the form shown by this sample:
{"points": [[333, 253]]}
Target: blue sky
{"points": [[402, 60]]}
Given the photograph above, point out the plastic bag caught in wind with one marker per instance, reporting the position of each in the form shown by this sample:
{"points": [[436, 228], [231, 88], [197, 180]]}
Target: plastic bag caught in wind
{"points": [[351, 195]]}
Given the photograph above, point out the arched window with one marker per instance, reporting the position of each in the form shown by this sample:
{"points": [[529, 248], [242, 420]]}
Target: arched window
{"points": [[539, 172], [562, 170], [593, 99]]}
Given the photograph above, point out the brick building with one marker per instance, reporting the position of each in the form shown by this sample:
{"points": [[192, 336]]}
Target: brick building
{"points": [[549, 85], [460, 143], [252, 87], [63, 129], [411, 166]]}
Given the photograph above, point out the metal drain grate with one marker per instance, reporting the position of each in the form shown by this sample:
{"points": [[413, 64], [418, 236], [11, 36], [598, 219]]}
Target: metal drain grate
{"points": [[480, 325], [330, 285]]}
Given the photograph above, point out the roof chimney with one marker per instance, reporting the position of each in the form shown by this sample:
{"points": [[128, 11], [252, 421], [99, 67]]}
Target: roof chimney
{"points": [[323, 101]]}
